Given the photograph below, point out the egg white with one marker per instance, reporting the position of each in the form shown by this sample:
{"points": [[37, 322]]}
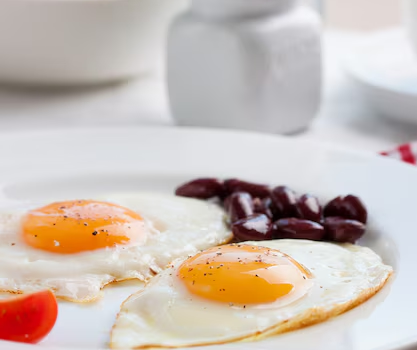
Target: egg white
{"points": [[165, 314], [176, 227]]}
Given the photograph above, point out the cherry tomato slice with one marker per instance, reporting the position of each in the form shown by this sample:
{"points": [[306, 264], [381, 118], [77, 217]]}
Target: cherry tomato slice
{"points": [[28, 318]]}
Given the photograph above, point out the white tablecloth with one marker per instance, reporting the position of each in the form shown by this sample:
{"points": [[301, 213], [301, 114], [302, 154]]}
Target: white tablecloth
{"points": [[344, 118]]}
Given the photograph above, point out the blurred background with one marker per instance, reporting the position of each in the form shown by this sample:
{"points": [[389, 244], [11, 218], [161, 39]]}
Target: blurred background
{"points": [[119, 63], [360, 15]]}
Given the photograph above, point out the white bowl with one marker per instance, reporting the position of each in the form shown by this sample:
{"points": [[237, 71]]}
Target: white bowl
{"points": [[76, 42]]}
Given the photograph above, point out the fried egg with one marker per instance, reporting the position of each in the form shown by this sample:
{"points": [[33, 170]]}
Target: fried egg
{"points": [[246, 292], [77, 247]]}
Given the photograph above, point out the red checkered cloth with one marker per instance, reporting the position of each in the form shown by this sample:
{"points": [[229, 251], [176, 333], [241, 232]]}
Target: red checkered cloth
{"points": [[406, 152]]}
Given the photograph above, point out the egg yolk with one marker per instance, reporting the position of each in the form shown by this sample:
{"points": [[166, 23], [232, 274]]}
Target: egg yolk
{"points": [[81, 225], [243, 274]]}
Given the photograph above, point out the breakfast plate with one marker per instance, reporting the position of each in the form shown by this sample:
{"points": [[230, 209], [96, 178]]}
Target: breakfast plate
{"points": [[88, 163]]}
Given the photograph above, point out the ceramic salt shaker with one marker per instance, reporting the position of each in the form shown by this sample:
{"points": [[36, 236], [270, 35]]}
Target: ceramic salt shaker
{"points": [[245, 64]]}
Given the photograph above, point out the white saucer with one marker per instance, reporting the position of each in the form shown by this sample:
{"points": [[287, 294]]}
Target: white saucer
{"points": [[384, 68]]}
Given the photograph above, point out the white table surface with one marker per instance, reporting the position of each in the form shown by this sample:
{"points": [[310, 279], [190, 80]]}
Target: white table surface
{"points": [[344, 118]]}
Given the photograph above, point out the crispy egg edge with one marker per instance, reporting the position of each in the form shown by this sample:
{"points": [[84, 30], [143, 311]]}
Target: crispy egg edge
{"points": [[308, 318], [80, 301], [152, 271]]}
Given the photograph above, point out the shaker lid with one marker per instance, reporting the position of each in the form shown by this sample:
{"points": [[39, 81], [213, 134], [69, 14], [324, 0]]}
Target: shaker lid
{"points": [[222, 9]]}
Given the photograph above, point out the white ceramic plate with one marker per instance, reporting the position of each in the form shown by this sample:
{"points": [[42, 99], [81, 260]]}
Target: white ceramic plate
{"points": [[383, 66], [87, 162]]}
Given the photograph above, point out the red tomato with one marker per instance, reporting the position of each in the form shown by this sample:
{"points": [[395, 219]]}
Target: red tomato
{"points": [[28, 318]]}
